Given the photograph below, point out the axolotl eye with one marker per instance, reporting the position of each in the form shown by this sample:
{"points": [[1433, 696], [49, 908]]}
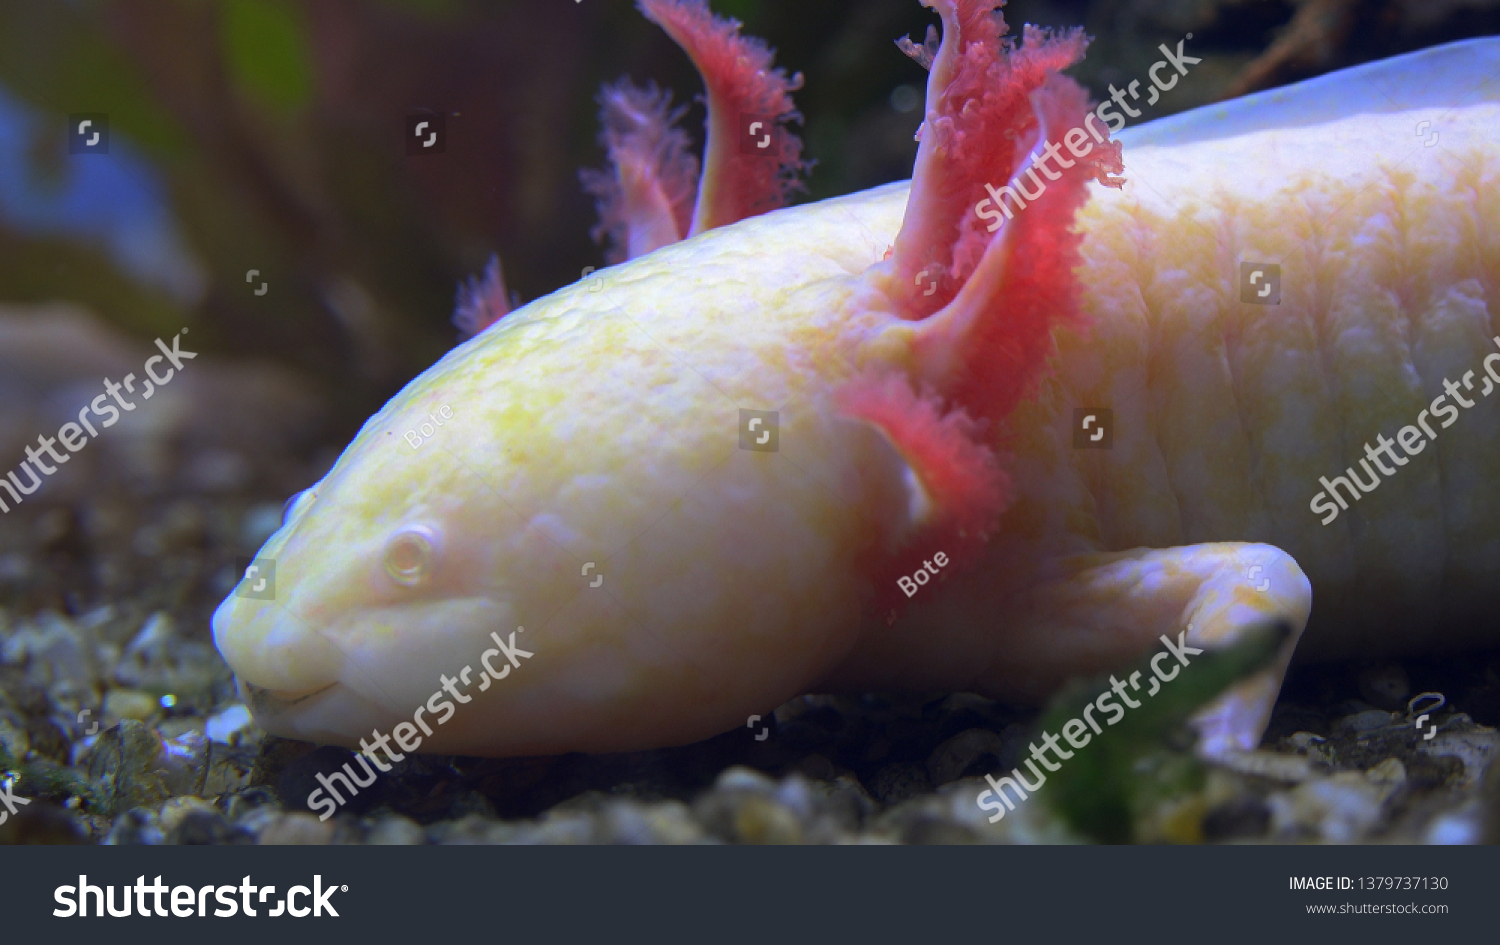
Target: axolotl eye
{"points": [[411, 555]]}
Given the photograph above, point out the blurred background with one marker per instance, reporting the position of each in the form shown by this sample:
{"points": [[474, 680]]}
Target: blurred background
{"points": [[270, 135]]}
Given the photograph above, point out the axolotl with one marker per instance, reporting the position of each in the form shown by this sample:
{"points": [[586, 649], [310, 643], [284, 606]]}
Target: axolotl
{"points": [[702, 481]]}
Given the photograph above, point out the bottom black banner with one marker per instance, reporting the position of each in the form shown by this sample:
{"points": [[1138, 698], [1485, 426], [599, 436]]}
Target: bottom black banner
{"points": [[742, 894]]}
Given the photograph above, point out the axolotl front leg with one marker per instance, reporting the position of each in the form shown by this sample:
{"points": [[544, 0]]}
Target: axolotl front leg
{"points": [[1092, 612], [1021, 637]]}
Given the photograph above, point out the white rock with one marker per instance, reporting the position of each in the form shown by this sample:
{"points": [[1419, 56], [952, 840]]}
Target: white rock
{"points": [[1460, 827], [224, 726]]}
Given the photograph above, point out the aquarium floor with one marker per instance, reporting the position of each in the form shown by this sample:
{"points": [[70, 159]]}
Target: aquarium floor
{"points": [[120, 724]]}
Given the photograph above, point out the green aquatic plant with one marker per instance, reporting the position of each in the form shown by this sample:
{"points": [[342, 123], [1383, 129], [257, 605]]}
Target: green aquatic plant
{"points": [[1135, 768]]}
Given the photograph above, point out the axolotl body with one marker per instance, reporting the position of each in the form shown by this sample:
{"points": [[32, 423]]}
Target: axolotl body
{"points": [[705, 480]]}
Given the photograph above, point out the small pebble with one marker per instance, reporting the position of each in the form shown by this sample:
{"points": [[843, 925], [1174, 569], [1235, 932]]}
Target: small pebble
{"points": [[1367, 721], [1268, 764], [475, 829], [157, 631], [207, 827], [135, 827], [1339, 809], [569, 828], [765, 822], [897, 782], [1454, 829], [296, 829], [183, 759], [130, 704], [1389, 773], [740, 778], [1303, 740], [174, 810], [395, 830], [633, 823], [1243, 816], [954, 757], [227, 724], [127, 761]]}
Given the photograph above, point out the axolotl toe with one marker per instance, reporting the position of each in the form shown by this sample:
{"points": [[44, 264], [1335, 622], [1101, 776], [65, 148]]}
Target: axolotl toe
{"points": [[860, 444]]}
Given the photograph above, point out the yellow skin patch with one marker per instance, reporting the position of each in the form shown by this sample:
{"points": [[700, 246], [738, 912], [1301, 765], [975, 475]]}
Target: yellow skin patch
{"points": [[601, 425]]}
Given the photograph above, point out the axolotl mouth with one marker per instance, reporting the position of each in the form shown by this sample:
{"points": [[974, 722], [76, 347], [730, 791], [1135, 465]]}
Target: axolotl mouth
{"points": [[343, 680], [322, 715], [272, 702], [317, 712]]}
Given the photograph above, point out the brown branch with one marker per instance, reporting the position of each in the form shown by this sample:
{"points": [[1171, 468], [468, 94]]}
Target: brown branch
{"points": [[1310, 39]]}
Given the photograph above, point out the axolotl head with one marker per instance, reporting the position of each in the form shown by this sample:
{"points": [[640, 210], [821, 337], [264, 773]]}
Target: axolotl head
{"points": [[640, 509], [558, 522]]}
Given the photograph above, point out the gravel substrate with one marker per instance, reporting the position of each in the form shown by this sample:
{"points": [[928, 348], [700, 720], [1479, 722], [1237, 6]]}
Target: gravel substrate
{"points": [[121, 725]]}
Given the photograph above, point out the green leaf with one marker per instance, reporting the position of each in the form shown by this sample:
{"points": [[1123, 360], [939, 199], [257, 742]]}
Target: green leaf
{"points": [[265, 43], [1145, 758]]}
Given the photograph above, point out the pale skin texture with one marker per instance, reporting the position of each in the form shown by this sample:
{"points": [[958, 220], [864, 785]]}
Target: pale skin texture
{"points": [[601, 424]]}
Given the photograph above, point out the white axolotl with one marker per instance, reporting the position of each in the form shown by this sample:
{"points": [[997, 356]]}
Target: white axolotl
{"points": [[705, 480]]}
